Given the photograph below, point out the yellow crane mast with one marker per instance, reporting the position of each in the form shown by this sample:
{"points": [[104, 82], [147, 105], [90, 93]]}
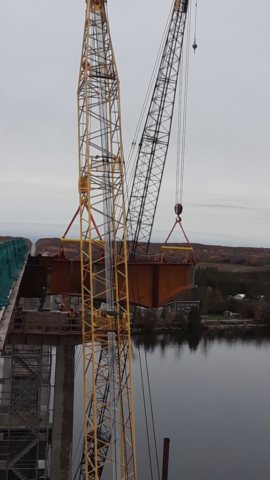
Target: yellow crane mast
{"points": [[109, 426]]}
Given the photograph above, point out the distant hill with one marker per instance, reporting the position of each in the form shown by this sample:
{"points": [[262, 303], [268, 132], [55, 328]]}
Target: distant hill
{"points": [[203, 254], [52, 245]]}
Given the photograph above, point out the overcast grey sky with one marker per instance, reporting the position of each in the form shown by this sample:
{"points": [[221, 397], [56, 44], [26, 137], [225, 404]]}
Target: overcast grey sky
{"points": [[226, 183]]}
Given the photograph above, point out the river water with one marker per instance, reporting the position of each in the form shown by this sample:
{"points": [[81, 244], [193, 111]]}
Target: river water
{"points": [[211, 397]]}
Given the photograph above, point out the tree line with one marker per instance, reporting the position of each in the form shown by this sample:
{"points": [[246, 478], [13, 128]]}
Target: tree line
{"points": [[216, 291]]}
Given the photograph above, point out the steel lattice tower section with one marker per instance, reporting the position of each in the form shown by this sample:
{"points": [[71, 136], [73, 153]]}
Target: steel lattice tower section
{"points": [[27, 393], [153, 146], [109, 428]]}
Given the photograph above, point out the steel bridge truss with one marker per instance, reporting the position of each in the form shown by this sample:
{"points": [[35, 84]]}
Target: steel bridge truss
{"points": [[109, 426], [153, 146]]}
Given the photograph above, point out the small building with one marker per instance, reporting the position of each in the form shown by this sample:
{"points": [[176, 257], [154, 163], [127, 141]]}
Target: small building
{"points": [[229, 314], [180, 306], [239, 296]]}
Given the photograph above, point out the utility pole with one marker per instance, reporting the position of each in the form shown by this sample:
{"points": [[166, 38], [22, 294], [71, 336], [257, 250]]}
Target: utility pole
{"points": [[165, 464]]}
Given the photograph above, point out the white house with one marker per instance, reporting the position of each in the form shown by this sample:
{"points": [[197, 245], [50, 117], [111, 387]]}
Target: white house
{"points": [[240, 296]]}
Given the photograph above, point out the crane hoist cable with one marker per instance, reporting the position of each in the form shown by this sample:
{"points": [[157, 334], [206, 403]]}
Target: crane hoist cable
{"points": [[152, 418], [195, 46], [152, 411], [147, 96], [145, 416], [181, 138], [130, 165], [182, 116]]}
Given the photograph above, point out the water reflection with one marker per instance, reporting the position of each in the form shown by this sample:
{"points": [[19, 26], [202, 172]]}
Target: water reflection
{"points": [[151, 341], [211, 396]]}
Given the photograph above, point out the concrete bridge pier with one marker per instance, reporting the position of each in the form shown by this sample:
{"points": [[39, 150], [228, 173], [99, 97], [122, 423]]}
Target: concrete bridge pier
{"points": [[62, 431]]}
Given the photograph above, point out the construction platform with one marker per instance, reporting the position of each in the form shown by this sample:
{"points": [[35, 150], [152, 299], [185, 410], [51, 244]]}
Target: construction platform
{"points": [[44, 328]]}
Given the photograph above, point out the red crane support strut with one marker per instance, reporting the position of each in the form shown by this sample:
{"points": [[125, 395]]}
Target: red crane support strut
{"points": [[75, 215]]}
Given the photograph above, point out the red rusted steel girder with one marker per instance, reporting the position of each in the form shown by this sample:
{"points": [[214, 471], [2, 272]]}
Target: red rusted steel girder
{"points": [[150, 284]]}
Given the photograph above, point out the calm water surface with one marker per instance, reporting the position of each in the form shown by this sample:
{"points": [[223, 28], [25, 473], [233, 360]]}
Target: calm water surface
{"points": [[211, 396]]}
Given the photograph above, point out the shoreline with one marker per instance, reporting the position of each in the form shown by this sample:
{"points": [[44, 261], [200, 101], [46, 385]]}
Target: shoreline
{"points": [[215, 325]]}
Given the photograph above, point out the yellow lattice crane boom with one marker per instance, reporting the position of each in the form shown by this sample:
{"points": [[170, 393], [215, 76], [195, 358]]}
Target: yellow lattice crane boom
{"points": [[109, 425]]}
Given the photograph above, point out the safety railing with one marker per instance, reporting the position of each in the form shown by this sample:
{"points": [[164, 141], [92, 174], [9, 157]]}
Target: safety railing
{"points": [[44, 325]]}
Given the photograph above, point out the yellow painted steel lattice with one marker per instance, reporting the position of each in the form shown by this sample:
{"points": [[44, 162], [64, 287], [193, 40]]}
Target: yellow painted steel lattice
{"points": [[108, 399]]}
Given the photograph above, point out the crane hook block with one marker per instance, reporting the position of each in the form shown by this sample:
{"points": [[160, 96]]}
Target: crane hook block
{"points": [[178, 208], [194, 46]]}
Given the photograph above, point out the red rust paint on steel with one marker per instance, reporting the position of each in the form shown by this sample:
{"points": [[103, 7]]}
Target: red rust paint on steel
{"points": [[150, 284], [153, 285], [178, 221], [75, 215]]}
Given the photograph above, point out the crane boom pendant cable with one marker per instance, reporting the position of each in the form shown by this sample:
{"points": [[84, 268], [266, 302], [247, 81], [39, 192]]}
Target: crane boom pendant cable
{"points": [[182, 115], [195, 46]]}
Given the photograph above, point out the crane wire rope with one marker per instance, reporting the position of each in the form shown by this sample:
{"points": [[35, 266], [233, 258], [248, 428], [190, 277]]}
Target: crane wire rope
{"points": [[145, 414], [195, 26], [182, 117], [149, 88], [76, 451], [130, 167], [78, 360], [178, 154], [152, 411], [120, 399], [151, 403]]}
